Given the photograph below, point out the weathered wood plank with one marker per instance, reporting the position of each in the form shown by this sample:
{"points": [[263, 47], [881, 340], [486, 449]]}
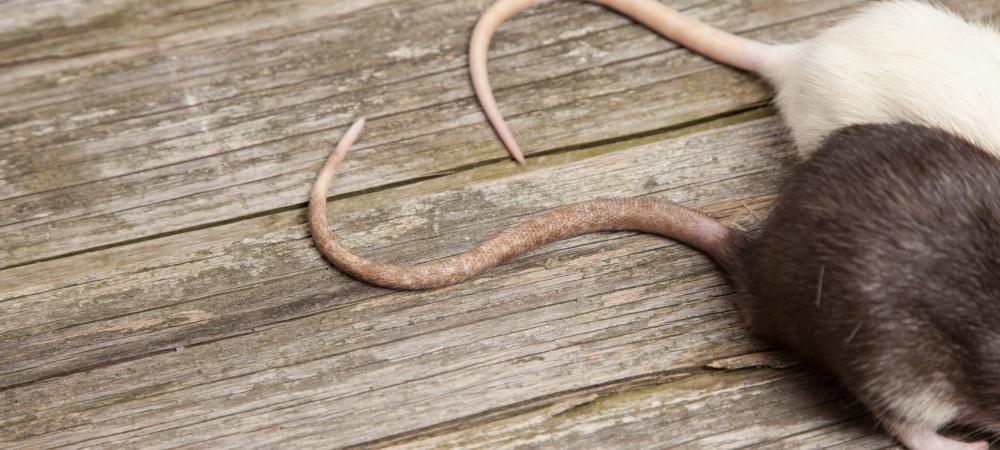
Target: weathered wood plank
{"points": [[119, 180], [59, 285], [240, 335], [760, 408]]}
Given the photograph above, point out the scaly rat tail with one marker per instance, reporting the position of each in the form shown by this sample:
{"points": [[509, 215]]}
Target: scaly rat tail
{"points": [[709, 41], [637, 214]]}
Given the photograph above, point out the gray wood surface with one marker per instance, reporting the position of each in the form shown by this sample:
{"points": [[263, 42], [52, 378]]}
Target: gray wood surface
{"points": [[158, 286]]}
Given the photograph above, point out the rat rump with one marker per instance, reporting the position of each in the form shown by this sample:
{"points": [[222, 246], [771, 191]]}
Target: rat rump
{"points": [[879, 263]]}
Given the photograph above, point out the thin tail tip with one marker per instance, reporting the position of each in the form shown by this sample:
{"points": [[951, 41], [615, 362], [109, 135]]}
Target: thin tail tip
{"points": [[515, 152], [509, 142], [358, 125], [347, 140]]}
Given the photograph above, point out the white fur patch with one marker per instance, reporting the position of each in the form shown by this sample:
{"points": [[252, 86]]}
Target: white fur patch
{"points": [[894, 61], [932, 406]]}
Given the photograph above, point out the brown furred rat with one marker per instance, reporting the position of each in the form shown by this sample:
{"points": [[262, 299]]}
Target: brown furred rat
{"points": [[880, 263]]}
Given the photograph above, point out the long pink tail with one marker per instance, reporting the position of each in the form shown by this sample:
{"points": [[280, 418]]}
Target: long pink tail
{"points": [[712, 42], [646, 215]]}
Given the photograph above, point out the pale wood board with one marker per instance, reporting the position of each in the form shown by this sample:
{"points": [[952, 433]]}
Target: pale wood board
{"points": [[160, 288]]}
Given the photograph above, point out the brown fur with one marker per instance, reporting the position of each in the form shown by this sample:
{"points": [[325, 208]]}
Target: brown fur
{"points": [[903, 222]]}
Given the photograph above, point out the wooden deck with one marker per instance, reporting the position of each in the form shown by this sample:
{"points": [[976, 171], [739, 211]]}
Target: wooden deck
{"points": [[159, 288]]}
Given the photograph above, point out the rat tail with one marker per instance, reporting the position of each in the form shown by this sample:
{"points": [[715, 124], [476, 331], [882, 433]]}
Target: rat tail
{"points": [[637, 214], [709, 41]]}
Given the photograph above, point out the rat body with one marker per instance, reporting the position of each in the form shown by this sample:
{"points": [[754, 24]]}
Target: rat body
{"points": [[879, 263], [894, 61]]}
